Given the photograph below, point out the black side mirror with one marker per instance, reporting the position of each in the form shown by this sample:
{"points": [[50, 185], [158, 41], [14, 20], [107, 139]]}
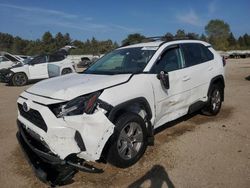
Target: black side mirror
{"points": [[163, 77]]}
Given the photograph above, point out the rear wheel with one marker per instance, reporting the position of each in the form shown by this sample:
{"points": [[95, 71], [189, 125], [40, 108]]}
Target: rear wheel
{"points": [[19, 79], [66, 71], [129, 141], [214, 101]]}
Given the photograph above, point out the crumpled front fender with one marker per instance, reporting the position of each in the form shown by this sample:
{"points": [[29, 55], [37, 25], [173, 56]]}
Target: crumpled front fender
{"points": [[95, 130]]}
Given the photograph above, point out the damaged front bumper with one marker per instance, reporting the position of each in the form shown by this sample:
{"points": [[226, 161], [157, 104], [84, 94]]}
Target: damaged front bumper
{"points": [[6, 75], [48, 167]]}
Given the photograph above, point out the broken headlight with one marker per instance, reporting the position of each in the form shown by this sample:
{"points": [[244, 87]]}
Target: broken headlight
{"points": [[77, 106]]}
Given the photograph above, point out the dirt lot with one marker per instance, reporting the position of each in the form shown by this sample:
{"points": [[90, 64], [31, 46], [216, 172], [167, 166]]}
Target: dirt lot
{"points": [[196, 151]]}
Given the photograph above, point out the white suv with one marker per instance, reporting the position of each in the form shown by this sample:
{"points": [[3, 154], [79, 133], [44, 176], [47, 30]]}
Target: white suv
{"points": [[39, 67], [111, 110]]}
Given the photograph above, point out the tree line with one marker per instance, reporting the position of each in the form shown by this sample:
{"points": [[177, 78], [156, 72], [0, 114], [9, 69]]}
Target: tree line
{"points": [[217, 32]]}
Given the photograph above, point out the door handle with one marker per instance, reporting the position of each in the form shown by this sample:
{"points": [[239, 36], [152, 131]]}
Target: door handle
{"points": [[185, 78], [210, 68]]}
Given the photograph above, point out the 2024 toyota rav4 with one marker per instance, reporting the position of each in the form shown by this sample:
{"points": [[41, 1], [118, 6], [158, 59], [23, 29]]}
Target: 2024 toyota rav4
{"points": [[110, 111]]}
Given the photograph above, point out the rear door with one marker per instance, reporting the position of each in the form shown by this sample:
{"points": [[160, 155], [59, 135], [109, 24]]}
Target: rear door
{"points": [[198, 65], [38, 68]]}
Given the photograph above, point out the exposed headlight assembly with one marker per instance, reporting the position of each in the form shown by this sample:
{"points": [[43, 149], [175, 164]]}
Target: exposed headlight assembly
{"points": [[77, 106], [9, 74]]}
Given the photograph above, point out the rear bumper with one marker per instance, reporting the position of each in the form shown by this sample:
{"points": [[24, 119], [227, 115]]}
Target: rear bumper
{"points": [[48, 167]]}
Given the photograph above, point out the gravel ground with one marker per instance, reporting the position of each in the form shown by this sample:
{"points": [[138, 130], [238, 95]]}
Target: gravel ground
{"points": [[195, 151]]}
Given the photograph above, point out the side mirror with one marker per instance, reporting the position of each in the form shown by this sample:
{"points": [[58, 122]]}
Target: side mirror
{"points": [[163, 77]]}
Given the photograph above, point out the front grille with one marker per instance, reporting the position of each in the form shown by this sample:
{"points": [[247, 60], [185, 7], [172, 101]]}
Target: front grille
{"points": [[38, 144], [34, 117]]}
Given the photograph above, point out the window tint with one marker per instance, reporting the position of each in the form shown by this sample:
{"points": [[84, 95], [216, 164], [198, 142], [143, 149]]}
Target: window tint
{"points": [[55, 58], [208, 55], [38, 60], [196, 53], [169, 61]]}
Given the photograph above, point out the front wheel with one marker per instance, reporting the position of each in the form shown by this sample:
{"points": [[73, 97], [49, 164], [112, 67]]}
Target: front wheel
{"points": [[214, 101], [19, 79], [129, 141]]}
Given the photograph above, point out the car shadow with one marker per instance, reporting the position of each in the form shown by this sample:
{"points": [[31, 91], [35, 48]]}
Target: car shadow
{"points": [[248, 78], [156, 177]]}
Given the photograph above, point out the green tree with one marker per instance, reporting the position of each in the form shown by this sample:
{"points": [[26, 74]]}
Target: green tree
{"points": [[232, 42], [180, 34], [48, 42], [203, 37], [133, 39], [168, 37], [19, 45], [67, 39], [218, 32], [6, 41], [59, 40], [193, 36], [246, 38], [47, 38], [241, 42]]}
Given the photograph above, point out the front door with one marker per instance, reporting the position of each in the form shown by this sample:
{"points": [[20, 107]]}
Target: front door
{"points": [[173, 102], [38, 68]]}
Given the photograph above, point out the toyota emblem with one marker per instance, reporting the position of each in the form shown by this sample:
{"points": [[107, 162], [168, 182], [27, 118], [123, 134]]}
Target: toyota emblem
{"points": [[25, 107]]}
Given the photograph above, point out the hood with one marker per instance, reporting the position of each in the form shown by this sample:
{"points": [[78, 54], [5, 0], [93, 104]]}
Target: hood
{"points": [[73, 85], [13, 58]]}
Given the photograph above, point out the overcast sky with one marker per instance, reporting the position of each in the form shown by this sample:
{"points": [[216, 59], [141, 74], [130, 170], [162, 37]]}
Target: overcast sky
{"points": [[114, 19]]}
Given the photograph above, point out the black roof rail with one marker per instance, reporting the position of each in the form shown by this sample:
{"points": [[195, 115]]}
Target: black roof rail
{"points": [[164, 39], [152, 39]]}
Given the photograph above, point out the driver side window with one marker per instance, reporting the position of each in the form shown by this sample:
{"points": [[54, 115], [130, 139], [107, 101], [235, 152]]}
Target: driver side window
{"points": [[38, 60], [169, 61]]}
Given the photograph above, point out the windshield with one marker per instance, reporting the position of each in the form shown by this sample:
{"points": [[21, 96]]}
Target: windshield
{"points": [[3, 59], [27, 60], [122, 61]]}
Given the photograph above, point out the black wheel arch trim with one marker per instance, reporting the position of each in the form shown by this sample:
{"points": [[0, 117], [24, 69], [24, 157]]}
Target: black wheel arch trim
{"points": [[139, 100], [219, 78], [142, 101]]}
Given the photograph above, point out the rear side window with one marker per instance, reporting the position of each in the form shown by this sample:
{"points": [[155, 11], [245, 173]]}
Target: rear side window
{"points": [[38, 60], [196, 53], [56, 57]]}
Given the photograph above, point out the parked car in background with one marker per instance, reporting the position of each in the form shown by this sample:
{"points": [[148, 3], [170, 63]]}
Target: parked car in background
{"points": [[86, 62], [5, 63], [39, 67], [7, 60], [110, 111]]}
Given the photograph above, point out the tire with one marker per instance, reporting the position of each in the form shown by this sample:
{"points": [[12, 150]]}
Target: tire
{"points": [[66, 71], [19, 79], [214, 101], [128, 142]]}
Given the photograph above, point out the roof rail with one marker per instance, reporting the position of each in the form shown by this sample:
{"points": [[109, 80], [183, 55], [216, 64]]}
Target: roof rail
{"points": [[152, 39], [160, 38]]}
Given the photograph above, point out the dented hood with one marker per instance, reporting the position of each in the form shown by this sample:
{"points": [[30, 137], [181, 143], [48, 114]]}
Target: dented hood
{"points": [[73, 85]]}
